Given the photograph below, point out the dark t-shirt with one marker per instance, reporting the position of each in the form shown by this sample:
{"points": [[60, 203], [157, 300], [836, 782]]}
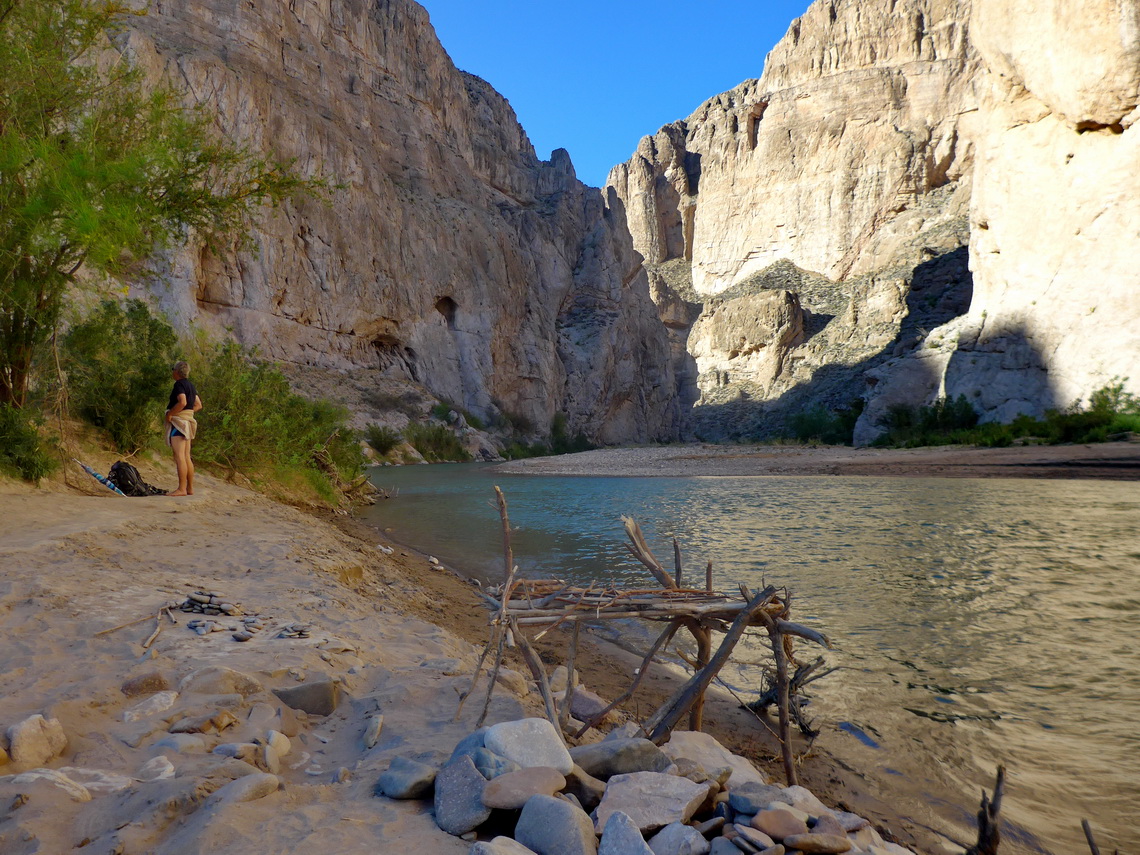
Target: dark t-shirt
{"points": [[182, 387]]}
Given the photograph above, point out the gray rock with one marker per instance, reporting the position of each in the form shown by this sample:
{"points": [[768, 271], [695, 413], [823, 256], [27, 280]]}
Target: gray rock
{"points": [[622, 837], [629, 730], [180, 743], [678, 839], [710, 826], [751, 798], [722, 846], [550, 826], [218, 680], [513, 790], [469, 743], [818, 844], [406, 779], [246, 789], [828, 823], [651, 799], [620, 757], [499, 846], [459, 804], [319, 697], [145, 684], [530, 742], [754, 836], [585, 787], [490, 764]]}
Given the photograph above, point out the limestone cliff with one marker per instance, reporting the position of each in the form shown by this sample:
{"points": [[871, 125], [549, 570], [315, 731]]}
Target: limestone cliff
{"points": [[839, 183], [449, 255]]}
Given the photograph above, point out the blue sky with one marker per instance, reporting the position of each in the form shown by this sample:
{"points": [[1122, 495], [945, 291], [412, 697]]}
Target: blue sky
{"points": [[594, 77]]}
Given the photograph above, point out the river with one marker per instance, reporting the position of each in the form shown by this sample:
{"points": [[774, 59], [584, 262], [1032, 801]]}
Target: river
{"points": [[975, 621]]}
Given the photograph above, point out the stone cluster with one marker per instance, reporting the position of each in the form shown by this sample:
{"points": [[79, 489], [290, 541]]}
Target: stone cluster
{"points": [[621, 796], [207, 603], [295, 630]]}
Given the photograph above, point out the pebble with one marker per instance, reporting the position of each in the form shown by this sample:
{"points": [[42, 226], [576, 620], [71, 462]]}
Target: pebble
{"points": [[342, 774], [296, 630], [280, 742], [406, 779]]}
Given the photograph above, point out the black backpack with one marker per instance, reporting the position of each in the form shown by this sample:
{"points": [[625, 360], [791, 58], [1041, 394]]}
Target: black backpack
{"points": [[127, 478]]}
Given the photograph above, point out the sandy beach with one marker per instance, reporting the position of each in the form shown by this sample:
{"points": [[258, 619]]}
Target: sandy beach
{"points": [[399, 635]]}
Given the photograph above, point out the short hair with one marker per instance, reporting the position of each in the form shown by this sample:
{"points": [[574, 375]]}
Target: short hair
{"points": [[182, 368]]}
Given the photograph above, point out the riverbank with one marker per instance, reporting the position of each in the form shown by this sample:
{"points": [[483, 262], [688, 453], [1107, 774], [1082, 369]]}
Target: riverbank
{"points": [[1107, 461], [400, 636]]}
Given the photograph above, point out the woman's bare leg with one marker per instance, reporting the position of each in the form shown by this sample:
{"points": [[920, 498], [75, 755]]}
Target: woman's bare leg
{"points": [[181, 448], [189, 471]]}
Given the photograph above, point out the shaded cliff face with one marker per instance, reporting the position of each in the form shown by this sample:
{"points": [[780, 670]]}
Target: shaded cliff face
{"points": [[831, 181], [450, 256]]}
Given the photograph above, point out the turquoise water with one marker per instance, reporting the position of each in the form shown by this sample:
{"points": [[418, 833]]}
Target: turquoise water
{"points": [[976, 621]]}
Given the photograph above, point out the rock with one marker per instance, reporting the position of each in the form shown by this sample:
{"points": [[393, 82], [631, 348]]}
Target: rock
{"points": [[828, 823], [550, 826], [469, 743], [97, 781], [499, 846], [57, 779], [751, 798], [145, 684], [319, 697], [722, 846], [779, 823], [513, 682], [342, 775], [180, 743], [156, 703], [511, 791], [530, 742], [218, 680], [709, 753], [629, 730], [621, 836], [803, 799], [406, 779], [267, 759], [238, 750], [826, 844], [372, 730], [651, 799], [246, 789], [619, 757], [584, 787], [490, 764], [35, 741], [754, 836], [850, 822], [155, 769], [694, 771], [678, 839], [459, 804], [710, 826], [274, 715]]}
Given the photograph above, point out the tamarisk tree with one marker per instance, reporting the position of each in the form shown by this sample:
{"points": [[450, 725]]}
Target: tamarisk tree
{"points": [[98, 169]]}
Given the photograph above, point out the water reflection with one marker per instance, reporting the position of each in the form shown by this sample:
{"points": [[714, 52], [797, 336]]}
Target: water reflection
{"points": [[978, 621]]}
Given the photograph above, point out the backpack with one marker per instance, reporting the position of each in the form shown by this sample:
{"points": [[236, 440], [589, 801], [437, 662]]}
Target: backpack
{"points": [[127, 478]]}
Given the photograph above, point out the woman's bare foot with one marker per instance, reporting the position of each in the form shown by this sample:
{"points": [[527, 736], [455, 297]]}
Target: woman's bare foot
{"points": [[178, 493]]}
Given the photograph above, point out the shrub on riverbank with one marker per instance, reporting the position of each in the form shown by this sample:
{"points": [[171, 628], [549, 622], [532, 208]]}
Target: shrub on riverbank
{"points": [[22, 450], [436, 443], [381, 438], [830, 427]]}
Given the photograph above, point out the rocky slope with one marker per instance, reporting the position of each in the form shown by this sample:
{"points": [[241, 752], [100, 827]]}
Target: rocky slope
{"points": [[807, 232], [450, 256]]}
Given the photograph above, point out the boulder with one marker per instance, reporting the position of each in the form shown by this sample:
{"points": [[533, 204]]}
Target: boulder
{"points": [[459, 804], [246, 789], [651, 799], [621, 836], [530, 742], [145, 684], [620, 757], [406, 779], [218, 680], [513, 790], [705, 750], [156, 703], [550, 826], [35, 741], [678, 839], [779, 823], [319, 697], [751, 798]]}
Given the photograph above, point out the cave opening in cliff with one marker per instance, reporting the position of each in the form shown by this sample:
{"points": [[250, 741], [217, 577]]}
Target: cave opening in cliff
{"points": [[447, 307]]}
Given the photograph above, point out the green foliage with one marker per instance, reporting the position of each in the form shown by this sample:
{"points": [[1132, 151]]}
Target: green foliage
{"points": [[436, 443], [118, 371], [825, 426], [21, 450], [97, 170], [560, 440], [251, 421], [912, 427], [407, 403], [382, 438], [444, 409]]}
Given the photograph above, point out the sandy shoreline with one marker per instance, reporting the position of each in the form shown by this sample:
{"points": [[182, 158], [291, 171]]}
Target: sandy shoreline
{"points": [[1112, 461], [401, 636]]}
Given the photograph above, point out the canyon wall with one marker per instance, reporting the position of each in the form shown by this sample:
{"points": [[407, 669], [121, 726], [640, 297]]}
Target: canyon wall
{"points": [[807, 233], [448, 254]]}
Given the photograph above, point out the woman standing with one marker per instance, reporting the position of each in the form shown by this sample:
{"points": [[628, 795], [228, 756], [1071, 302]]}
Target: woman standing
{"points": [[181, 426]]}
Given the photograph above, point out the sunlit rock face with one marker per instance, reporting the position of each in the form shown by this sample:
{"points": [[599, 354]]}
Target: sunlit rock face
{"points": [[848, 161], [448, 255]]}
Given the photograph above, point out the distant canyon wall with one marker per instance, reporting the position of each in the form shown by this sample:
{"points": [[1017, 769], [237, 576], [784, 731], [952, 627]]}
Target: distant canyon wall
{"points": [[451, 256], [807, 234]]}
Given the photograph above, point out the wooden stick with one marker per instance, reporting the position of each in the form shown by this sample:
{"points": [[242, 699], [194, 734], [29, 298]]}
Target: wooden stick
{"points": [[641, 551], [157, 629], [122, 626], [508, 555], [494, 675], [989, 834], [478, 668], [777, 639], [700, 681], [1089, 837], [662, 640], [535, 664], [677, 563], [708, 577], [703, 638], [571, 679]]}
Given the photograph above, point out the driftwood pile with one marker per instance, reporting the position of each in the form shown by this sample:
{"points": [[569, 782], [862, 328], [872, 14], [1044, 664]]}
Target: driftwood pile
{"points": [[541, 605]]}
